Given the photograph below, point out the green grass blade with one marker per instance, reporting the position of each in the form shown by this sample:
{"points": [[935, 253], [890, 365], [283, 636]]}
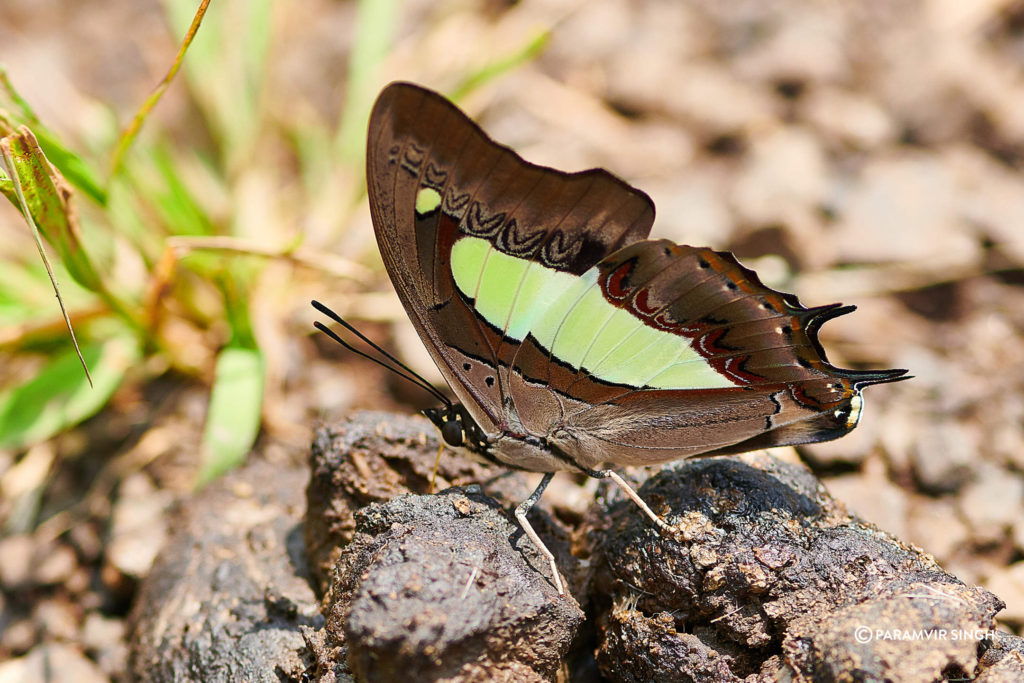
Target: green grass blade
{"points": [[71, 166], [25, 110], [375, 26], [9, 165], [20, 286], [496, 68], [26, 294], [47, 199], [226, 70], [59, 396], [233, 420], [177, 206]]}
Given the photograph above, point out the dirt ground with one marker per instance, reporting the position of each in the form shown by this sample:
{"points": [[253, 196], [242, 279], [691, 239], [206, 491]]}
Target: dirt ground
{"points": [[869, 153]]}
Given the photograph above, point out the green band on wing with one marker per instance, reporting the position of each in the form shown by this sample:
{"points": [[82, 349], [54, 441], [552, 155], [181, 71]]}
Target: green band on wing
{"points": [[510, 293], [570, 317]]}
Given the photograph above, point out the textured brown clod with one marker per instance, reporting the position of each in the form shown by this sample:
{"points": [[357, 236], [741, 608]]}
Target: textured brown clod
{"points": [[766, 578], [374, 457], [403, 589], [370, 458], [447, 586], [228, 596], [765, 563]]}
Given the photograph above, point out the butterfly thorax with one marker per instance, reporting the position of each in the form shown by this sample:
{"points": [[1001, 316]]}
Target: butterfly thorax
{"points": [[513, 448]]}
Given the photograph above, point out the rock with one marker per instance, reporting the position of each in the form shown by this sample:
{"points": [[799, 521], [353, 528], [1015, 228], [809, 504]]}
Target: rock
{"points": [[372, 457], [138, 525], [713, 98], [433, 585], [943, 457], [16, 560], [1004, 437], [905, 205], [639, 648], [57, 566], [1008, 583], [228, 596], [693, 209], [57, 618], [27, 561], [1017, 533], [104, 639], [849, 117], [49, 662], [761, 559], [1009, 669], [991, 198], [935, 526], [1003, 662], [785, 179], [852, 449], [992, 503], [873, 497], [885, 632], [805, 47]]}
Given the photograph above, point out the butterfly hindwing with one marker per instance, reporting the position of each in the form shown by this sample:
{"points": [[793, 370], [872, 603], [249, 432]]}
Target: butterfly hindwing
{"points": [[687, 352]]}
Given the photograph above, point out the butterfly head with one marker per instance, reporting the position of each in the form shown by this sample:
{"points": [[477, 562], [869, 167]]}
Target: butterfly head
{"points": [[448, 421], [458, 428]]}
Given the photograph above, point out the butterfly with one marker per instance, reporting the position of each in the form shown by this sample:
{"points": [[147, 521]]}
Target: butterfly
{"points": [[572, 341]]}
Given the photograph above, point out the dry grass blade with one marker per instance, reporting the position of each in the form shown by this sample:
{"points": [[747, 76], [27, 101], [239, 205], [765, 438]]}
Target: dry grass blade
{"points": [[129, 133], [309, 258]]}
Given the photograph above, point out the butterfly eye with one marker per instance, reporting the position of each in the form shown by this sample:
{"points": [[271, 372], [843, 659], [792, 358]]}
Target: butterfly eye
{"points": [[451, 432]]}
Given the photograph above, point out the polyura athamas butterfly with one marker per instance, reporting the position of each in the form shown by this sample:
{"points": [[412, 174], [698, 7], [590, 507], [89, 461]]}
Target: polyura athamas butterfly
{"points": [[572, 341]]}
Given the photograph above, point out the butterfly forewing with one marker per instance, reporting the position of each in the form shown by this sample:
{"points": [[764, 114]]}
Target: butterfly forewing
{"points": [[438, 185]]}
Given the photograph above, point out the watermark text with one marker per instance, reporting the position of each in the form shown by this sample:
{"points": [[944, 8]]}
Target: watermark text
{"points": [[866, 634]]}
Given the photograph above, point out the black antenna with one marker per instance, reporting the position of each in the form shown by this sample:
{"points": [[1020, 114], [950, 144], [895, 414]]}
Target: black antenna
{"points": [[408, 374]]}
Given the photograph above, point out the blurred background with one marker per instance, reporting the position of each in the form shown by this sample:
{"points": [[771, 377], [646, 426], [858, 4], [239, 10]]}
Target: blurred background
{"points": [[869, 153]]}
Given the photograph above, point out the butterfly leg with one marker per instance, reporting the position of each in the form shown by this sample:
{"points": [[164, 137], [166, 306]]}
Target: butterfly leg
{"points": [[522, 510], [633, 495], [437, 464]]}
